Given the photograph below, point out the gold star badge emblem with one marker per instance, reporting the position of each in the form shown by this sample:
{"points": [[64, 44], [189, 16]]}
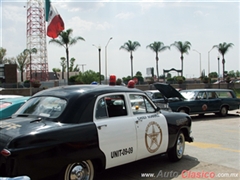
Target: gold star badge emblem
{"points": [[153, 137]]}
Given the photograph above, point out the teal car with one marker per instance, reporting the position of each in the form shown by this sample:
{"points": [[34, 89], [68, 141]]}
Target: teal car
{"points": [[11, 105], [199, 101]]}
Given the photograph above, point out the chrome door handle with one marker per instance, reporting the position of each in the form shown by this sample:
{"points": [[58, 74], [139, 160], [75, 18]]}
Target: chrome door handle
{"points": [[100, 127]]}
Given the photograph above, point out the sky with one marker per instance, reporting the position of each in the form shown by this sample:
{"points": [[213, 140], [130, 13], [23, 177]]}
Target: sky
{"points": [[202, 23]]}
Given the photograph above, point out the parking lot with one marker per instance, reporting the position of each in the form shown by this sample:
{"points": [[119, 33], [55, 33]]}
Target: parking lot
{"points": [[215, 154]]}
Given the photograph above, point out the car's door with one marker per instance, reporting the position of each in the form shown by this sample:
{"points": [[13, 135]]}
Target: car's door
{"points": [[151, 126], [214, 103], [200, 103], [116, 129]]}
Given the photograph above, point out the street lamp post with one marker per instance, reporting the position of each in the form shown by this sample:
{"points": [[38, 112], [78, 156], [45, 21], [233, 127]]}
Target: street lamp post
{"points": [[209, 61], [199, 61], [106, 60], [99, 51]]}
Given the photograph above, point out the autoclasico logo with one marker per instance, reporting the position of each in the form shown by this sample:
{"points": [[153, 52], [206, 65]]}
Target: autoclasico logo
{"points": [[198, 174], [186, 174]]}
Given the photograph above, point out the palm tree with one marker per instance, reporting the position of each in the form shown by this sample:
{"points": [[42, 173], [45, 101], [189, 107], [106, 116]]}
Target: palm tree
{"points": [[66, 40], [63, 64], [29, 52], [130, 47], [222, 49], [157, 47], [22, 61], [183, 48]]}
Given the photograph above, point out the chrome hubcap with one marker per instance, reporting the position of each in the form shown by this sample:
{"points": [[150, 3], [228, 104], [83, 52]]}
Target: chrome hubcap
{"points": [[80, 171], [180, 146]]}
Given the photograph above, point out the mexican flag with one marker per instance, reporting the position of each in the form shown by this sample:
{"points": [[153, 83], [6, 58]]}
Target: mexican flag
{"points": [[55, 22]]}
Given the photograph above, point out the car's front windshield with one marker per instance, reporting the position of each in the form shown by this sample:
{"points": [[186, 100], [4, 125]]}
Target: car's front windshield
{"points": [[51, 107], [188, 94]]}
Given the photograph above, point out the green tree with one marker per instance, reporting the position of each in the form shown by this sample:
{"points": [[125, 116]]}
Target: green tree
{"points": [[183, 48], [237, 73], [30, 52], [66, 40], [139, 77], [213, 75], [72, 68], [126, 79], [119, 82], [222, 49], [232, 74], [22, 60], [5, 60], [3, 53], [55, 71], [130, 47], [88, 77], [157, 47]]}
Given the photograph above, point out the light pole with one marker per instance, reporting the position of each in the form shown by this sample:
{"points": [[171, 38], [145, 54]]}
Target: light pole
{"points": [[106, 60], [99, 50], [199, 61], [209, 61]]}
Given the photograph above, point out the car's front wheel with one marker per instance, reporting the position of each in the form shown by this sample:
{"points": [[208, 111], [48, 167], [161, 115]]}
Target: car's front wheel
{"points": [[176, 153], [81, 170]]}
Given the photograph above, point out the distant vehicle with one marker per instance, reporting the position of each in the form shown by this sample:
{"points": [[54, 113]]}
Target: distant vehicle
{"points": [[199, 101], [11, 105], [3, 96], [157, 97]]}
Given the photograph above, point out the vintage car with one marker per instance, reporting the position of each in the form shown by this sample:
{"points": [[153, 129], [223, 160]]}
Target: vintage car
{"points": [[73, 132], [199, 101], [11, 105], [158, 99]]}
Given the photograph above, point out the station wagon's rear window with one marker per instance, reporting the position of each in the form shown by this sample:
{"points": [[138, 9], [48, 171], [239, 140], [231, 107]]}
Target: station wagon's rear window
{"points": [[224, 94]]}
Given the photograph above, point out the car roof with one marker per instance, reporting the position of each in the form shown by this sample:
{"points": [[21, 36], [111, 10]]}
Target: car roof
{"points": [[206, 90], [78, 90], [153, 91]]}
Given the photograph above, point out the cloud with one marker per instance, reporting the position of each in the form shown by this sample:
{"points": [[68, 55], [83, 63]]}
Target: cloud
{"points": [[82, 25], [13, 13], [126, 15], [79, 6], [200, 13]]}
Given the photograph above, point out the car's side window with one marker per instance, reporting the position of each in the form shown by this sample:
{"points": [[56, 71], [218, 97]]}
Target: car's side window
{"points": [[201, 95], [101, 109], [212, 95], [224, 94], [140, 104], [111, 106]]}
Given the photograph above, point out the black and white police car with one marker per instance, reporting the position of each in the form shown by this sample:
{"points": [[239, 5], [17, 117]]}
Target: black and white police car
{"points": [[72, 132]]}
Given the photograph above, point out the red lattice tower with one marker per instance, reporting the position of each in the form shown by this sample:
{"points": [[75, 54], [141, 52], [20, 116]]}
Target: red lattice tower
{"points": [[36, 38]]}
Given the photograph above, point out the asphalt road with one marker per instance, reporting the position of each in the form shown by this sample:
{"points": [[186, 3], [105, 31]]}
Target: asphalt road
{"points": [[214, 154]]}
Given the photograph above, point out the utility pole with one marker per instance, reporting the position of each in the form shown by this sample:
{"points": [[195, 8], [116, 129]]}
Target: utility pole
{"points": [[82, 67]]}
